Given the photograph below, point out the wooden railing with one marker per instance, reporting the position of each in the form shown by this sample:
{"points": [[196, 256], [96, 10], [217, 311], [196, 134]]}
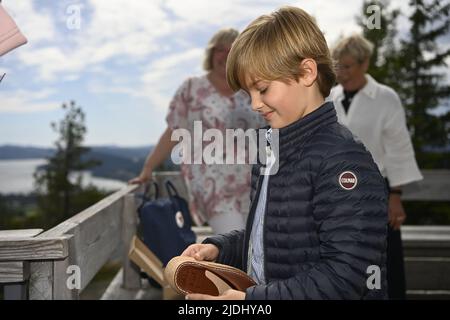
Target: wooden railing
{"points": [[85, 242], [47, 265]]}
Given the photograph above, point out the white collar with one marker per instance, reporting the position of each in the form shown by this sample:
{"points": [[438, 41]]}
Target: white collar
{"points": [[369, 89]]}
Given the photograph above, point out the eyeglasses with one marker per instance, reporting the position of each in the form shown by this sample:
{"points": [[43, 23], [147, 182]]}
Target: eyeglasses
{"points": [[340, 67], [222, 50]]}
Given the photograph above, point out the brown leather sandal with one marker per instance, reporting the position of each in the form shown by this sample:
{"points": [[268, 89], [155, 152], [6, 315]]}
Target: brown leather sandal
{"points": [[187, 275]]}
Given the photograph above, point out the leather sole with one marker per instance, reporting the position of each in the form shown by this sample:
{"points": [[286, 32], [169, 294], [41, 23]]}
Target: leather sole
{"points": [[187, 275]]}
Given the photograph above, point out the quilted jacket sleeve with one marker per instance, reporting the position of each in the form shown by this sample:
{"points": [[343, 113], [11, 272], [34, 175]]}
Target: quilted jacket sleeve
{"points": [[351, 225], [230, 248]]}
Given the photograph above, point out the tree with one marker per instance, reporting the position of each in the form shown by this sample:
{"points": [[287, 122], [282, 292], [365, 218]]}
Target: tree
{"points": [[59, 196], [413, 66], [383, 63], [424, 87]]}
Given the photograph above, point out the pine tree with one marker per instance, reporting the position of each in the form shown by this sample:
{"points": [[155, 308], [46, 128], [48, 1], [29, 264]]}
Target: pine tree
{"points": [[58, 195], [412, 66], [424, 87], [383, 62]]}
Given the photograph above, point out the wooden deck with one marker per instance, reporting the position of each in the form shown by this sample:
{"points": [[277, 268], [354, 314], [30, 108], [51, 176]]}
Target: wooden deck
{"points": [[41, 265]]}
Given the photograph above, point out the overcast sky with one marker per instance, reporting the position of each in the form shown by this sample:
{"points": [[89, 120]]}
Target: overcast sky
{"points": [[124, 62]]}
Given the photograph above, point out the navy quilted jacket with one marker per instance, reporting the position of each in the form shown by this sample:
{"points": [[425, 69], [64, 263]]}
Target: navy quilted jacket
{"points": [[321, 232]]}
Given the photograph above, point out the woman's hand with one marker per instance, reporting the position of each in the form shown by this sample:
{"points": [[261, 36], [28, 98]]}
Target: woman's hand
{"points": [[230, 294], [208, 252], [397, 214], [144, 177]]}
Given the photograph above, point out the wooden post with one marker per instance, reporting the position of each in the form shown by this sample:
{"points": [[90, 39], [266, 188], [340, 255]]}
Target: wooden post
{"points": [[131, 273], [14, 274], [40, 286], [61, 289]]}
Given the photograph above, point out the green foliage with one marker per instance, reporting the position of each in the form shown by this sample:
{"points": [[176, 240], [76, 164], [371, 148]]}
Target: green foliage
{"points": [[423, 87], [413, 66], [59, 196], [382, 65], [8, 211], [427, 212]]}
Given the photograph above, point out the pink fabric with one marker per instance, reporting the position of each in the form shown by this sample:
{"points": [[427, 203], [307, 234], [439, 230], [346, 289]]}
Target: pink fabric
{"points": [[214, 189], [10, 35]]}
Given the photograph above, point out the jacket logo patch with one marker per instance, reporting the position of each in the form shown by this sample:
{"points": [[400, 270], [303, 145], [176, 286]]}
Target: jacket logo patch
{"points": [[348, 180]]}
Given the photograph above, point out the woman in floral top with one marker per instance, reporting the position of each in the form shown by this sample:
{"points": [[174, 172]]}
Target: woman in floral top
{"points": [[218, 193]]}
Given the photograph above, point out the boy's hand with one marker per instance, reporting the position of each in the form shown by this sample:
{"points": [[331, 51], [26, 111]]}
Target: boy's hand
{"points": [[230, 294], [208, 252]]}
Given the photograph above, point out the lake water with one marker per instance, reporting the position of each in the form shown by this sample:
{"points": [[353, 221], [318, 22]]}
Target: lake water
{"points": [[16, 176]]}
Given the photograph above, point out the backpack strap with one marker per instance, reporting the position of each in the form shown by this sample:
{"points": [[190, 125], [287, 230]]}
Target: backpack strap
{"points": [[171, 191], [144, 196]]}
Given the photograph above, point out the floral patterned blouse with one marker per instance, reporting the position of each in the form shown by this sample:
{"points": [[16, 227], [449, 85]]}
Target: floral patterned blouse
{"points": [[213, 188]]}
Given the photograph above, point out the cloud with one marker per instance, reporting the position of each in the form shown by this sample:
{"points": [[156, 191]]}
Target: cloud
{"points": [[134, 30], [108, 29], [161, 78], [37, 26], [23, 101]]}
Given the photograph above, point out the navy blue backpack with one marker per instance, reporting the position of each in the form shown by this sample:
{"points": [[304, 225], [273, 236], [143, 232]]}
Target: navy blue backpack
{"points": [[166, 224]]}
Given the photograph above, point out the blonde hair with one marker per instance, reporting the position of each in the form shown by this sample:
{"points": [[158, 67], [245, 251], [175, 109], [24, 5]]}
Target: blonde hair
{"points": [[224, 36], [356, 46], [272, 47]]}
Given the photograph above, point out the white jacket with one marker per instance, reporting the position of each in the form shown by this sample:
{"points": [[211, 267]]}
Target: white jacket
{"points": [[376, 116]]}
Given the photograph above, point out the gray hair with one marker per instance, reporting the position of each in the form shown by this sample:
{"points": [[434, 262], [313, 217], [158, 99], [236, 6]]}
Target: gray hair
{"points": [[356, 46]]}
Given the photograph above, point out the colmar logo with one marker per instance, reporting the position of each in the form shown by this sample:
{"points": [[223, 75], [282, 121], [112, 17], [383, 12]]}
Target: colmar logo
{"points": [[348, 180]]}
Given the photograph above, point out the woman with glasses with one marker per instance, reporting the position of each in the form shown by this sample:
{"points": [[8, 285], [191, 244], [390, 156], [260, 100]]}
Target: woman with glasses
{"points": [[374, 113]]}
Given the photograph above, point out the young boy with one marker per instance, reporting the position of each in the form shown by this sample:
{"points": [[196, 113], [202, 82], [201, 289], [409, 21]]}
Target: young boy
{"points": [[316, 228]]}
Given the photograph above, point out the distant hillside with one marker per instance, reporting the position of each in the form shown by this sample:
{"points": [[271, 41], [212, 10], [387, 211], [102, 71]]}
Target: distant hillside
{"points": [[116, 162], [20, 152], [136, 152], [8, 152]]}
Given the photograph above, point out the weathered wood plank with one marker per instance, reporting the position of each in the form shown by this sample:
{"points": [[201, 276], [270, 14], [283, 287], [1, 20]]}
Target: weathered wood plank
{"points": [[426, 241], [18, 249], [96, 234], [434, 187], [116, 291], [427, 273], [61, 281], [19, 233], [428, 294], [131, 273], [68, 225], [14, 271], [40, 285]]}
